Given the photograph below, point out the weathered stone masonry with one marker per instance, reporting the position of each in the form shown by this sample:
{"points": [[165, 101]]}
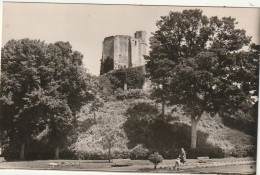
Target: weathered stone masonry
{"points": [[122, 51]]}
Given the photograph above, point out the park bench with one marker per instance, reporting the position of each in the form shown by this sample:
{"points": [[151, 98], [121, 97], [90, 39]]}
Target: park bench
{"points": [[203, 159], [121, 162]]}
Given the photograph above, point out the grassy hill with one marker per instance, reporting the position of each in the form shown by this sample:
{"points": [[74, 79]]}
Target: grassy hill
{"points": [[89, 143]]}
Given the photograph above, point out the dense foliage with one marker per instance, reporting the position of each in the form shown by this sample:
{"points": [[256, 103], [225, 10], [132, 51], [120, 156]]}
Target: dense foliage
{"points": [[241, 121], [42, 88], [133, 77], [155, 158], [130, 94], [196, 62], [105, 139], [164, 134], [198, 67], [214, 139]]}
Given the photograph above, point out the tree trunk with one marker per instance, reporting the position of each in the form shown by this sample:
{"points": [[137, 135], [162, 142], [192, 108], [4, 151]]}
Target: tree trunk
{"points": [[155, 165], [194, 124], [163, 105], [95, 117], [57, 152], [22, 151], [109, 154], [125, 87]]}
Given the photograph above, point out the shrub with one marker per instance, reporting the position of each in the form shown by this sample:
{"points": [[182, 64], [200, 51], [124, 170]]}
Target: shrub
{"points": [[10, 154], [133, 77], [139, 153], [242, 122], [155, 158], [89, 155], [106, 87], [207, 150], [120, 155], [241, 152], [145, 125], [68, 154], [130, 94], [99, 155]]}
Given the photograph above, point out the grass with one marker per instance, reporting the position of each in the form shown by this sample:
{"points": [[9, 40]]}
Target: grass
{"points": [[138, 165]]}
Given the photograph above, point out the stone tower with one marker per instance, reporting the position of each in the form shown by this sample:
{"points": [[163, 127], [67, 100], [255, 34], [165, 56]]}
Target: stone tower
{"points": [[122, 51]]}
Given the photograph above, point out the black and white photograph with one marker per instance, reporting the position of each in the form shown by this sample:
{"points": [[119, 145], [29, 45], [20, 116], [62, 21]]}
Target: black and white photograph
{"points": [[129, 88]]}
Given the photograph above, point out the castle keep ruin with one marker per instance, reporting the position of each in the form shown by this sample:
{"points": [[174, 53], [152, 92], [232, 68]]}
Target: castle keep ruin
{"points": [[122, 51]]}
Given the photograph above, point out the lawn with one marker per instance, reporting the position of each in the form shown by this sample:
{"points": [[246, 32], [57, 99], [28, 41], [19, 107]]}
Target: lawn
{"points": [[231, 165]]}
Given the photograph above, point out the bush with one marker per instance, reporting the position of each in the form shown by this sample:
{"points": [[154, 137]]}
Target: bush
{"points": [[241, 152], [68, 154], [216, 152], [106, 87], [242, 122], [98, 155], [139, 153], [208, 150], [88, 155], [133, 77], [130, 94], [145, 125], [155, 158], [120, 155], [10, 154]]}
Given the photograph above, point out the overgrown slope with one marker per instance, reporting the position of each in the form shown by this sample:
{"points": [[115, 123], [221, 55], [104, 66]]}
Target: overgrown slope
{"points": [[90, 144]]}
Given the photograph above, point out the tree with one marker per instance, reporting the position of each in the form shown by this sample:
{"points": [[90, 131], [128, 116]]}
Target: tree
{"points": [[43, 87], [132, 77], [102, 139], [146, 126], [20, 77], [97, 101], [201, 60], [109, 133], [95, 105], [107, 65], [155, 158], [54, 115], [161, 74], [137, 125], [245, 119], [71, 85]]}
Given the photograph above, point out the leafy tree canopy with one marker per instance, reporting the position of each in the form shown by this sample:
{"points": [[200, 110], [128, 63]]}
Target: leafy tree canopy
{"points": [[42, 87], [133, 77], [198, 63]]}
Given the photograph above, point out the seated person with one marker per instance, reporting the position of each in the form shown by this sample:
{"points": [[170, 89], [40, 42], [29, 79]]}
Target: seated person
{"points": [[183, 155]]}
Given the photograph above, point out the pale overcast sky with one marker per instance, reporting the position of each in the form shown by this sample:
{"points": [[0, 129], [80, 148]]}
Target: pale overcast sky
{"points": [[85, 26]]}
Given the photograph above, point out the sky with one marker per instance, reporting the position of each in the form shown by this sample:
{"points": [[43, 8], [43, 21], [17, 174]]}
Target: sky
{"points": [[85, 26]]}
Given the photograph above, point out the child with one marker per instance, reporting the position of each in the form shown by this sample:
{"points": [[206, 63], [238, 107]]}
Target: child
{"points": [[178, 164]]}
